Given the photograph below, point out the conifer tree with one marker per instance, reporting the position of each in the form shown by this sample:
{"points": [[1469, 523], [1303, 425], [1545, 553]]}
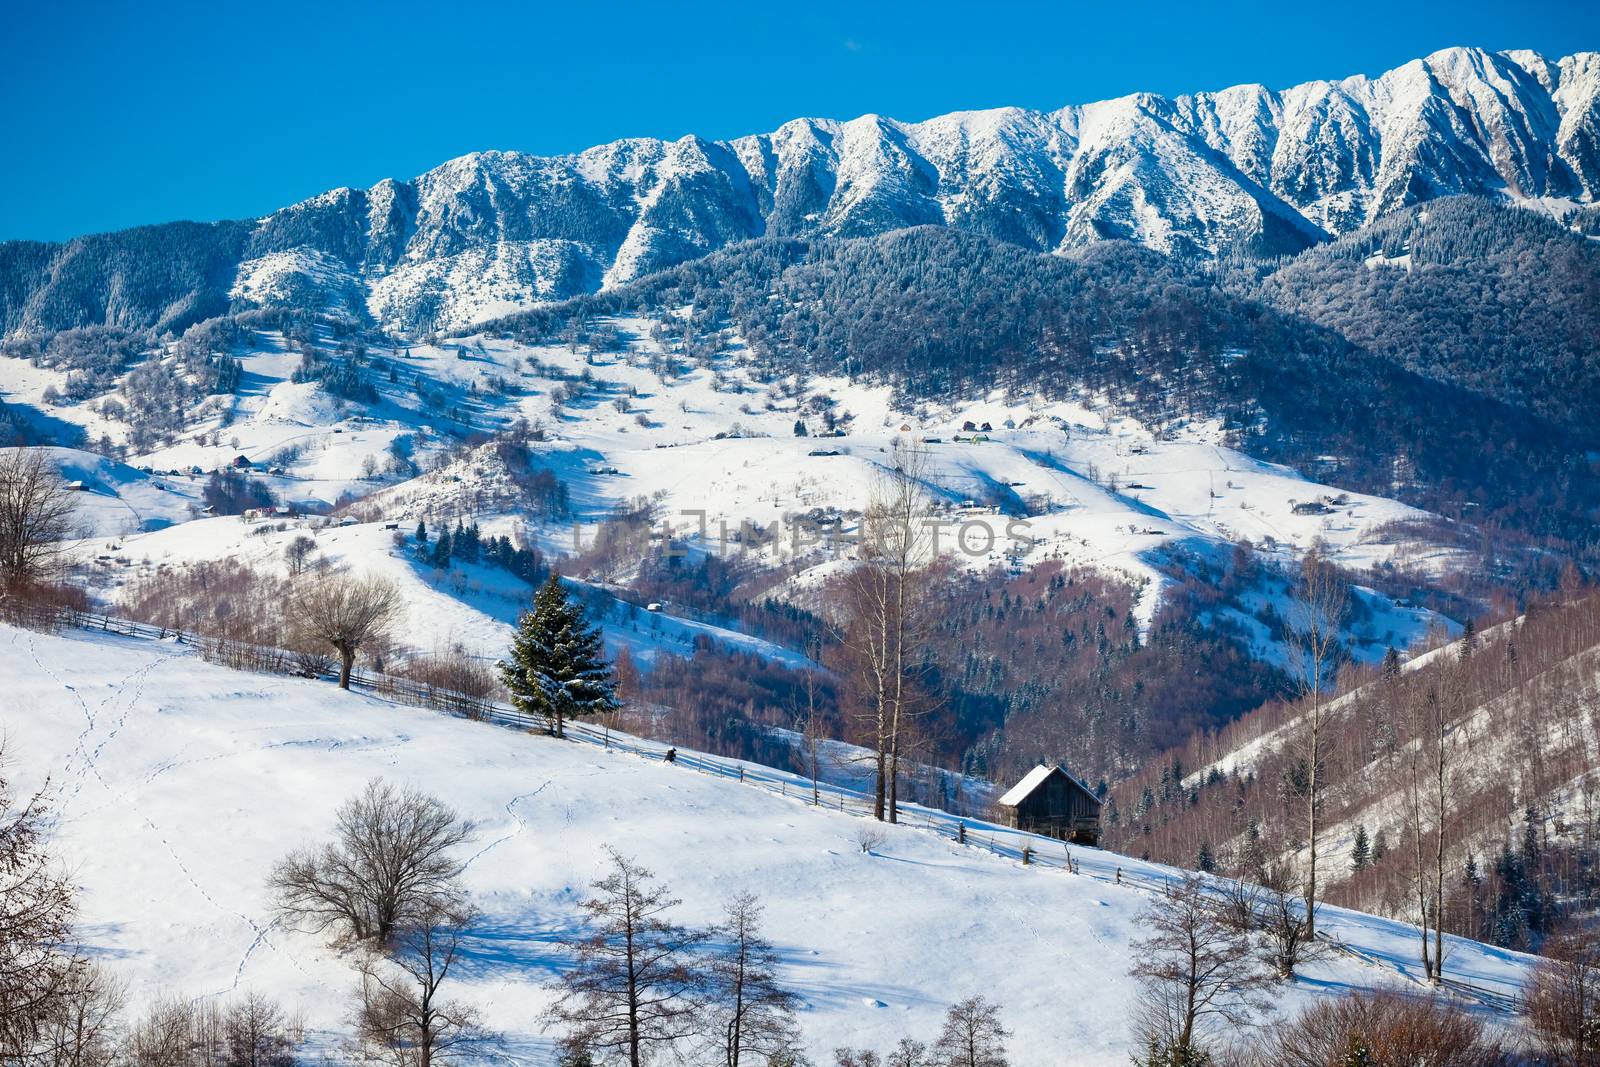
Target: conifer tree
{"points": [[556, 668], [1361, 851], [635, 990], [749, 1014]]}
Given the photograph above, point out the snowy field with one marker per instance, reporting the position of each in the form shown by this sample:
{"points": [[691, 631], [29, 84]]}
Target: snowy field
{"points": [[177, 784]]}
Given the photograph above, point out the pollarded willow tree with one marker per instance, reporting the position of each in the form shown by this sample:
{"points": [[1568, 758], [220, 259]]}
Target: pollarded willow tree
{"points": [[390, 863], [346, 612]]}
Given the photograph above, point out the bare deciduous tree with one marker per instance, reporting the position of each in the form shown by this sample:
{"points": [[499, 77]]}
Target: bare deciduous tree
{"points": [[1563, 998], [750, 1016], [1316, 612], [401, 1014], [636, 988], [389, 864], [256, 1034], [1195, 967], [1274, 909], [856, 1057], [36, 912], [81, 1027], [972, 1036], [297, 553], [808, 723], [883, 624], [345, 612], [183, 1032], [1429, 711], [1285, 922], [1446, 704], [174, 1032], [35, 518], [908, 1053]]}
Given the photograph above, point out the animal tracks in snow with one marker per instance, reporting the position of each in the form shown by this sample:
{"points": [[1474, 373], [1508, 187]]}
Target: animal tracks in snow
{"points": [[522, 824]]}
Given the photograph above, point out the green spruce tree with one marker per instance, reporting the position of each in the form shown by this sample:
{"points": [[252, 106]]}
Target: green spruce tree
{"points": [[556, 668], [1361, 851]]}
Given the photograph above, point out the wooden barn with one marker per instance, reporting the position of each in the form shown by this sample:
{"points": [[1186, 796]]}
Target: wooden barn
{"points": [[1050, 801]]}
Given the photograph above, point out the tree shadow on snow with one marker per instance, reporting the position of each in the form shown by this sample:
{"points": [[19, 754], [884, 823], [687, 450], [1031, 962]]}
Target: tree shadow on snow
{"points": [[826, 985], [506, 947]]}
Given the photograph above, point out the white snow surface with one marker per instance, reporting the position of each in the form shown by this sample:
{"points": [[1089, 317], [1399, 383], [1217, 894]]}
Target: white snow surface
{"points": [[1028, 784], [176, 784]]}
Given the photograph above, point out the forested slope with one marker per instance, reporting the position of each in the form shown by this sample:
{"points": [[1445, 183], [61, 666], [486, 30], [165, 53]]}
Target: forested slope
{"points": [[1504, 726], [1499, 300]]}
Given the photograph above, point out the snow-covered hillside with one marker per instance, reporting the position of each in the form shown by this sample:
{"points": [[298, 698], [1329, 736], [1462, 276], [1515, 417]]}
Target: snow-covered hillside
{"points": [[132, 734], [713, 451]]}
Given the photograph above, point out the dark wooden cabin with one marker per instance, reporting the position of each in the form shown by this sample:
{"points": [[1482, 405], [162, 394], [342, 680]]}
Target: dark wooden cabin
{"points": [[1050, 801]]}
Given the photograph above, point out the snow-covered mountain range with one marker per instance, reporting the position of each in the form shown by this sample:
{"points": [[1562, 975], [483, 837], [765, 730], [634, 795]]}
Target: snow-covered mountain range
{"points": [[1244, 168]]}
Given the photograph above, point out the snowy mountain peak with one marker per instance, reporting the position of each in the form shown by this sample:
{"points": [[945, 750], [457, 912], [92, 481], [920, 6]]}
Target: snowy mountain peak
{"points": [[1246, 167]]}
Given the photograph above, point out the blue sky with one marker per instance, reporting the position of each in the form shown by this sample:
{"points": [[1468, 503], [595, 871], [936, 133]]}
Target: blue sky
{"points": [[120, 114]]}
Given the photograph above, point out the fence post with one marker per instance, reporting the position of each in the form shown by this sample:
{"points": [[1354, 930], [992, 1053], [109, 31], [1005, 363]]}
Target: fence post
{"points": [[1027, 855], [961, 833]]}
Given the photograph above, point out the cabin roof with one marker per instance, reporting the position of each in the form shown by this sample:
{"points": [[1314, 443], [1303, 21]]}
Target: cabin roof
{"points": [[1034, 779]]}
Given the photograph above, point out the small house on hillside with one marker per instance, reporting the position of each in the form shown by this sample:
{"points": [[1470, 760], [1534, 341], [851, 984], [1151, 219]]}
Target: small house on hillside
{"points": [[1050, 801]]}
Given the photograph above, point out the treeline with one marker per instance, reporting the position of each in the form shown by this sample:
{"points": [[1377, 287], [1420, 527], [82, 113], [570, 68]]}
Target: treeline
{"points": [[725, 589], [467, 543], [727, 702], [164, 278]]}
